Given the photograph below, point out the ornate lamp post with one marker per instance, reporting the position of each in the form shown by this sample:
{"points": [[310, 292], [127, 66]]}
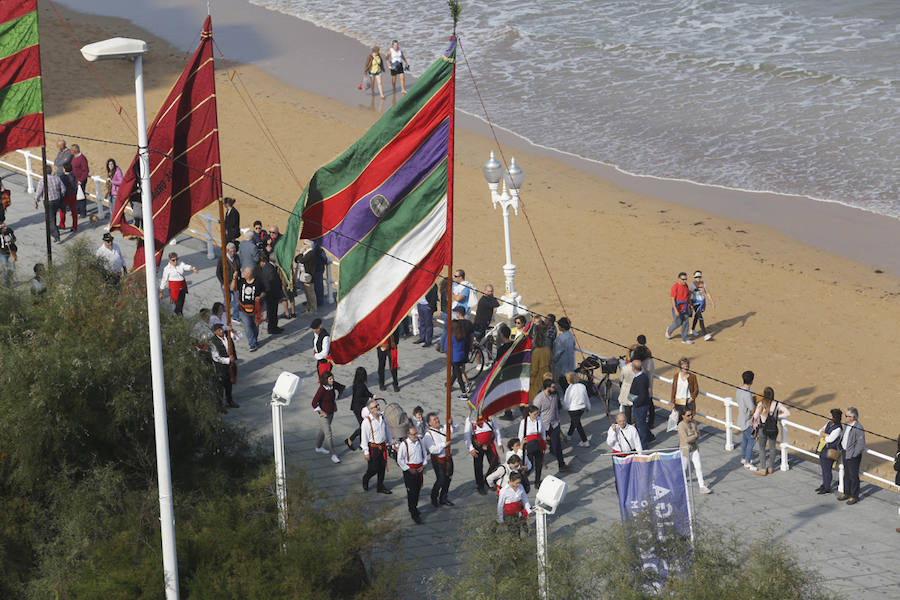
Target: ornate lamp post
{"points": [[507, 197]]}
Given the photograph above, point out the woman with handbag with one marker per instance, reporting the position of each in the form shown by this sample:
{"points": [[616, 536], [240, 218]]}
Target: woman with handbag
{"points": [[829, 448], [768, 411]]}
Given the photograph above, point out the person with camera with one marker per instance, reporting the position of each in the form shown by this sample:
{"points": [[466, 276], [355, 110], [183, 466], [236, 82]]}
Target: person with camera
{"points": [[623, 438]]}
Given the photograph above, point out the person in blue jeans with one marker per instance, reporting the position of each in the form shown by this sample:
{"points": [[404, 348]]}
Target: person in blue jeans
{"points": [[746, 408], [249, 291]]}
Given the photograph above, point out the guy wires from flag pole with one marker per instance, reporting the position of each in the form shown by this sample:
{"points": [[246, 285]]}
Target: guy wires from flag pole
{"points": [[508, 381]]}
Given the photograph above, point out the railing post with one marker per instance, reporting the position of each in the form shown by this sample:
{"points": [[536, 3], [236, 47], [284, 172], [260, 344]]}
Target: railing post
{"points": [[210, 247], [329, 282], [414, 316], [28, 173], [841, 476], [729, 439], [101, 213], [784, 445]]}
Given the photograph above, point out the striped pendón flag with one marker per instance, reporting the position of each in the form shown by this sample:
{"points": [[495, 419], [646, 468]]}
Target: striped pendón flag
{"points": [[508, 382], [21, 100], [381, 208]]}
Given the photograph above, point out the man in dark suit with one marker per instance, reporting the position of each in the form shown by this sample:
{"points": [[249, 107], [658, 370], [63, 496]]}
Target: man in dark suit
{"points": [[640, 396], [232, 222], [271, 281], [232, 266], [853, 444]]}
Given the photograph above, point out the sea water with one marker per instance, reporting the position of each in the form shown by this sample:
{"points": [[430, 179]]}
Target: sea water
{"points": [[792, 96]]}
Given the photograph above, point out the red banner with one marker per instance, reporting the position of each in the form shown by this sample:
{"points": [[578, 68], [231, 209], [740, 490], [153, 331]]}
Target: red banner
{"points": [[185, 174]]}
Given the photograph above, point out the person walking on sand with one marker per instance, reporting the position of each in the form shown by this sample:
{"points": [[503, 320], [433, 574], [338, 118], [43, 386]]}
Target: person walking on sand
{"points": [[687, 439], [680, 295], [700, 298], [374, 68], [398, 66]]}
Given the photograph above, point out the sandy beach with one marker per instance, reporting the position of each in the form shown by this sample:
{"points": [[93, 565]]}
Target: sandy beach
{"points": [[805, 292]]}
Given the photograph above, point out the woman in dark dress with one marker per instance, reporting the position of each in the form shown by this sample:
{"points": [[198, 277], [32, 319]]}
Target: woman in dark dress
{"points": [[361, 397]]}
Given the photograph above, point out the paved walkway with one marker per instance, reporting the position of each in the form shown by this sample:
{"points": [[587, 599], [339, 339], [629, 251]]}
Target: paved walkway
{"points": [[859, 541]]}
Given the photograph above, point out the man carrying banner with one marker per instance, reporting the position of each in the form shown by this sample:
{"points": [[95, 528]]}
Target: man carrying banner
{"points": [[375, 441], [623, 438], [411, 455], [482, 439], [436, 442]]}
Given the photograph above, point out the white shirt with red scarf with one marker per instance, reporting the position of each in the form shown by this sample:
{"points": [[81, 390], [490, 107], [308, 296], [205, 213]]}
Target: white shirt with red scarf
{"points": [[411, 455], [482, 434], [512, 502]]}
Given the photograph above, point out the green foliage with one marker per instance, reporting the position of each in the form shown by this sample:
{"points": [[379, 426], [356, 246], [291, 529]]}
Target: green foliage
{"points": [[455, 10], [499, 565], [79, 507]]}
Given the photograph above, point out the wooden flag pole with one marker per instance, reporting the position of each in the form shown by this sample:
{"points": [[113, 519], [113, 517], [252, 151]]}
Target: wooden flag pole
{"points": [[47, 215], [448, 348]]}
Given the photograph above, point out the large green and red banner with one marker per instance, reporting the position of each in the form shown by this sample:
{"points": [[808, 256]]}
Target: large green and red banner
{"points": [[21, 100]]}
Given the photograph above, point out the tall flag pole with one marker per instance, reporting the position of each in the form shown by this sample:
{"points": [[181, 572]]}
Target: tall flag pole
{"points": [[21, 88], [21, 96], [185, 172], [455, 9], [382, 209]]}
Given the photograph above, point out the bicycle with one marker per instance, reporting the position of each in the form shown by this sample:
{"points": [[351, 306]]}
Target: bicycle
{"points": [[474, 363]]}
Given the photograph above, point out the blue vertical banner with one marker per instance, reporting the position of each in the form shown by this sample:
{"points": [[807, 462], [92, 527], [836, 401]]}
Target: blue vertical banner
{"points": [[652, 488]]}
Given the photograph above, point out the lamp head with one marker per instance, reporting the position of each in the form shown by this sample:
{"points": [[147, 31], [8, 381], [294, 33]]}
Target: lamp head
{"points": [[551, 494], [492, 170], [114, 49], [514, 177], [286, 387]]}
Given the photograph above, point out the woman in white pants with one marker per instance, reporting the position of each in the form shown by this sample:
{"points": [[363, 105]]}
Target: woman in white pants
{"points": [[687, 436]]}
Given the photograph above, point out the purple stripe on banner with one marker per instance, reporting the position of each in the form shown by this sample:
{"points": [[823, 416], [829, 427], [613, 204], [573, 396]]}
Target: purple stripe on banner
{"points": [[361, 219], [517, 358]]}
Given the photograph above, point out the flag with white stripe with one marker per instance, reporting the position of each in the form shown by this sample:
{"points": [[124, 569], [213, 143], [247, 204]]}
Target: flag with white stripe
{"points": [[508, 381], [381, 208]]}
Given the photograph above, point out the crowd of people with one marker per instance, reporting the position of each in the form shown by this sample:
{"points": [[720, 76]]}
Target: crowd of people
{"points": [[256, 291]]}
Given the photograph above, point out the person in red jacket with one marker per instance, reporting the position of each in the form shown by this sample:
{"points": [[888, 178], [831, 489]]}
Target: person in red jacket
{"points": [[681, 308]]}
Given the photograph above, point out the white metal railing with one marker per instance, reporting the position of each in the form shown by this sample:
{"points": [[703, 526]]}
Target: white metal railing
{"points": [[786, 446], [206, 236]]}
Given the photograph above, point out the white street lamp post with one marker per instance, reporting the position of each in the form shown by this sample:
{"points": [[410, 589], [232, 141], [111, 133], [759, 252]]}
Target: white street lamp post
{"points": [[125, 48], [507, 197], [285, 388]]}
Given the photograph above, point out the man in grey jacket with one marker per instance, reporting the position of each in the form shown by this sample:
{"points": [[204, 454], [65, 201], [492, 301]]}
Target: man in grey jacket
{"points": [[746, 407], [853, 444]]}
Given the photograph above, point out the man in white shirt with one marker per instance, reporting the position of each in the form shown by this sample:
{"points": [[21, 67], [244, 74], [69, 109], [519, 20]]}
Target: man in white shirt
{"points": [[461, 291], [111, 256], [375, 441], [173, 276], [483, 439], [411, 455], [623, 438], [321, 346], [436, 442], [512, 502]]}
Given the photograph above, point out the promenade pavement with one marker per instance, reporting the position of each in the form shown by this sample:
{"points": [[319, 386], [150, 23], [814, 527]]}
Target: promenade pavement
{"points": [[855, 547]]}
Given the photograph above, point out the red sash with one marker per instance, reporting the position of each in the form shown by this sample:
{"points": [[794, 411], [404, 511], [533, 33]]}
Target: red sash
{"points": [[484, 438], [511, 509], [540, 440], [394, 364], [414, 465], [175, 288]]}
